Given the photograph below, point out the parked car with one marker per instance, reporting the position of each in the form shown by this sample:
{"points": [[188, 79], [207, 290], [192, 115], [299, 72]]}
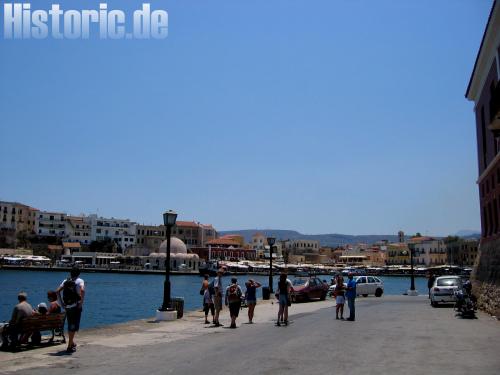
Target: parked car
{"points": [[305, 289], [444, 288], [365, 285]]}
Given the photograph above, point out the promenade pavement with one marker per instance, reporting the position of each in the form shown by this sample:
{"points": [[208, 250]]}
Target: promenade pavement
{"points": [[391, 335]]}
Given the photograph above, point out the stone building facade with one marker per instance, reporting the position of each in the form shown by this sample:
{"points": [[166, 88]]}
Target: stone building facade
{"points": [[484, 91]]}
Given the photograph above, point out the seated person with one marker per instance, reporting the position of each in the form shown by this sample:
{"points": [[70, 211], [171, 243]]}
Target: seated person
{"points": [[54, 306], [22, 310]]}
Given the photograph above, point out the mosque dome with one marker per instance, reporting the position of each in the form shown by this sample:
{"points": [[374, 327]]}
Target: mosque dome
{"points": [[176, 246]]}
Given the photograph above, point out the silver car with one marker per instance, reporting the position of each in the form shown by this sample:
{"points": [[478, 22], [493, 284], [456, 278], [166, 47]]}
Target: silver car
{"points": [[443, 289]]}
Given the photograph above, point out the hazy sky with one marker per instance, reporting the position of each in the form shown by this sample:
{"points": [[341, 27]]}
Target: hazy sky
{"points": [[343, 116]]}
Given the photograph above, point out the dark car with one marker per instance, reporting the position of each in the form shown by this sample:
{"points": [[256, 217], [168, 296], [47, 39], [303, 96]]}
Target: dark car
{"points": [[306, 289]]}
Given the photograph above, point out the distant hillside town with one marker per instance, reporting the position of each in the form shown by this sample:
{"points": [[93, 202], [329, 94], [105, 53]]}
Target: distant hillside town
{"points": [[97, 241]]}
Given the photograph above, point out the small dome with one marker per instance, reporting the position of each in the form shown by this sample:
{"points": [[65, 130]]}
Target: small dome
{"points": [[176, 246]]}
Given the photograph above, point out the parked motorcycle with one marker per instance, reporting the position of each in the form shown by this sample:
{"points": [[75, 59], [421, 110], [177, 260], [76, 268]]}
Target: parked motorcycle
{"points": [[465, 304]]}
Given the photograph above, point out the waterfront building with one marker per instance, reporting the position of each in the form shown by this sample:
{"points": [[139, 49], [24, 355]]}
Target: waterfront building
{"points": [[78, 229], [484, 91], [121, 231], [397, 254], [428, 251], [17, 217], [225, 248], [50, 224], [180, 259], [462, 252]]}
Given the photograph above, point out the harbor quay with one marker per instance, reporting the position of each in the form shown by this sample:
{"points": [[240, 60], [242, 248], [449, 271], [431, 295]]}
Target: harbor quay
{"points": [[392, 334]]}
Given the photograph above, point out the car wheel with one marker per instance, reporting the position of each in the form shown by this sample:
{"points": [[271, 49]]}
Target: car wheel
{"points": [[323, 297], [365, 295], [379, 292]]}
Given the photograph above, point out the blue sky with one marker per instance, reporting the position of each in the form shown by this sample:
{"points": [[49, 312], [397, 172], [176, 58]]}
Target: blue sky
{"points": [[319, 116]]}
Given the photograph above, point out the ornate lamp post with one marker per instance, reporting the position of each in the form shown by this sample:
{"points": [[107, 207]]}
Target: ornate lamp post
{"points": [[270, 242], [169, 218], [412, 291]]}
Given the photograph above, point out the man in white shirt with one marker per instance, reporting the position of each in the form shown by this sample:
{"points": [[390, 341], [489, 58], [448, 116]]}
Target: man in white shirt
{"points": [[73, 294], [217, 298]]}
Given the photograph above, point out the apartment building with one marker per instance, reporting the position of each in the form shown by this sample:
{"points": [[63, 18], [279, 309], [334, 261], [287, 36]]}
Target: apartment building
{"points": [[50, 224], [78, 229], [428, 251], [17, 217], [462, 252], [121, 231]]}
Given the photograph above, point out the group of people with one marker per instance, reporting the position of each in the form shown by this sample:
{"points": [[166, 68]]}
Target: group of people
{"points": [[342, 292], [69, 296], [214, 294]]}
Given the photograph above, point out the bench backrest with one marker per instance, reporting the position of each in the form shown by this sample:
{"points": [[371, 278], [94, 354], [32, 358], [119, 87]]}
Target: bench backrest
{"points": [[42, 322]]}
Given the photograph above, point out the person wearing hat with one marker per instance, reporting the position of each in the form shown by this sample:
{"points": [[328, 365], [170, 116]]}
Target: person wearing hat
{"points": [[218, 296], [351, 297], [233, 300], [22, 310]]}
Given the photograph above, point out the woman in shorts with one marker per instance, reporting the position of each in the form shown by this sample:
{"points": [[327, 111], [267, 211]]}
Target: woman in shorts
{"points": [[251, 297], [339, 297]]}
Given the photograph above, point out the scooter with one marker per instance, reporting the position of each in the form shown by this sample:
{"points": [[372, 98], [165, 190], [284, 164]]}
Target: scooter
{"points": [[466, 304]]}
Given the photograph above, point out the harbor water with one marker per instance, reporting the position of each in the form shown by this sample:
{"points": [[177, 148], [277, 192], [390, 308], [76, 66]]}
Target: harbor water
{"points": [[117, 298]]}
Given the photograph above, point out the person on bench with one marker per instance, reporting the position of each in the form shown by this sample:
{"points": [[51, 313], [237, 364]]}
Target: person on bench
{"points": [[11, 332]]}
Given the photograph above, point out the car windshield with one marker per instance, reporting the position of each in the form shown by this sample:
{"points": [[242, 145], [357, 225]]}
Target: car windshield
{"points": [[299, 282], [448, 282]]}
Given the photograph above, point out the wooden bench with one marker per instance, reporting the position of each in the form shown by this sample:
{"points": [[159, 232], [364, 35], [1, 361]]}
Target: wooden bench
{"points": [[41, 323]]}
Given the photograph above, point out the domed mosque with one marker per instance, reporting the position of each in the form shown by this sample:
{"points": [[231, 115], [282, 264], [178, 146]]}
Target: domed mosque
{"points": [[180, 260]]}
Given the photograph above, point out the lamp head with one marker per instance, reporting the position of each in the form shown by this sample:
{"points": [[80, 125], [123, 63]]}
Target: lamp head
{"points": [[271, 241], [169, 218]]}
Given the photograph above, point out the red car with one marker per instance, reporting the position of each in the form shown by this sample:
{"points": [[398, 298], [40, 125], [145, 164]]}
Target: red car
{"points": [[306, 289]]}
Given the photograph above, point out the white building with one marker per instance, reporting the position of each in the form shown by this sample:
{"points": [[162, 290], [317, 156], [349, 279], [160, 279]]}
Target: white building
{"points": [[78, 229], [428, 251], [52, 224], [122, 231], [299, 247]]}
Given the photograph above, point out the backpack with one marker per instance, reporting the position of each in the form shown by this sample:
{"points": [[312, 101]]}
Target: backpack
{"points": [[234, 294], [70, 296], [211, 288]]}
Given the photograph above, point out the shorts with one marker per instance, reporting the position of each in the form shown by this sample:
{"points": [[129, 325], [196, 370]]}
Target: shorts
{"points": [[234, 308], [251, 302], [209, 307], [283, 299], [218, 302], [73, 316], [340, 300]]}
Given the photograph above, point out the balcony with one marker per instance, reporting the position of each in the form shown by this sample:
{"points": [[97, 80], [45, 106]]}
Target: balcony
{"points": [[495, 111]]}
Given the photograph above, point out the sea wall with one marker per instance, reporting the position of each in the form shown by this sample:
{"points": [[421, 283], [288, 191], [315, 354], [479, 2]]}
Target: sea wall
{"points": [[486, 277]]}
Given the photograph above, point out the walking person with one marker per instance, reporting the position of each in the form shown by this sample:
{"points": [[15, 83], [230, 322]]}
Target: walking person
{"points": [[217, 297], [233, 300], [351, 297], [430, 282], [283, 296], [339, 297], [73, 295], [208, 303], [251, 297]]}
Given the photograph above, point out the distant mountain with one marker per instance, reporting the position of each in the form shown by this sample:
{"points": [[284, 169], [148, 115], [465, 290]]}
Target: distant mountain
{"points": [[331, 240], [468, 233]]}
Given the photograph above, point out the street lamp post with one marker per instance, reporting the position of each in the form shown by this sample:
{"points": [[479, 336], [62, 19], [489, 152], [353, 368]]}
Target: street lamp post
{"points": [[270, 242], [412, 285], [169, 218]]}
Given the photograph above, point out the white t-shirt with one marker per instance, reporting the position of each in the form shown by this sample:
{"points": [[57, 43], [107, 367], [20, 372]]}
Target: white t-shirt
{"points": [[80, 286], [218, 284]]}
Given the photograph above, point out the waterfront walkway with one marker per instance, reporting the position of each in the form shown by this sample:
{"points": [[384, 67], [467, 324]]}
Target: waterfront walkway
{"points": [[392, 334]]}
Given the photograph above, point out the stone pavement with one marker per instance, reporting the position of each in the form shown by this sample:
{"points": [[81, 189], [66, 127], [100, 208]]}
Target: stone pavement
{"points": [[392, 334]]}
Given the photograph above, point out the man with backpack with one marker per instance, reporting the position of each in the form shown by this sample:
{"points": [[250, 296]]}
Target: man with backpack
{"points": [[72, 293], [233, 300]]}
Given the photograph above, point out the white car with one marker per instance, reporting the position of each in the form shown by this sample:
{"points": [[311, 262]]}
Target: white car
{"points": [[365, 285], [443, 289]]}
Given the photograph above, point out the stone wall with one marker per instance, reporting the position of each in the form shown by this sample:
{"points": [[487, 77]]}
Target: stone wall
{"points": [[486, 277]]}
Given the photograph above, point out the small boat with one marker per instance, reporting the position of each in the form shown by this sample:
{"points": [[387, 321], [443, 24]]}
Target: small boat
{"points": [[209, 268]]}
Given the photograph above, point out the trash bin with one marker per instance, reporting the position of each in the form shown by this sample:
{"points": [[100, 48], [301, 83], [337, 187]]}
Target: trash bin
{"points": [[265, 292], [178, 305]]}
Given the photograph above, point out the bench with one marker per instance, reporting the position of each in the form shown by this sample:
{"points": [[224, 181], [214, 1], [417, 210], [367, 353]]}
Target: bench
{"points": [[41, 323]]}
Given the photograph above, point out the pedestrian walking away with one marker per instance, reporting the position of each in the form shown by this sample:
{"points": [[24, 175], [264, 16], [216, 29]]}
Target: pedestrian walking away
{"points": [[217, 296], [233, 300], [251, 297], [283, 296], [351, 297], [72, 294], [430, 282]]}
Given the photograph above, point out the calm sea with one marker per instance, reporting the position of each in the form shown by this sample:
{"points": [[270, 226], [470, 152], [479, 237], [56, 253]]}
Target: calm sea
{"points": [[117, 298]]}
